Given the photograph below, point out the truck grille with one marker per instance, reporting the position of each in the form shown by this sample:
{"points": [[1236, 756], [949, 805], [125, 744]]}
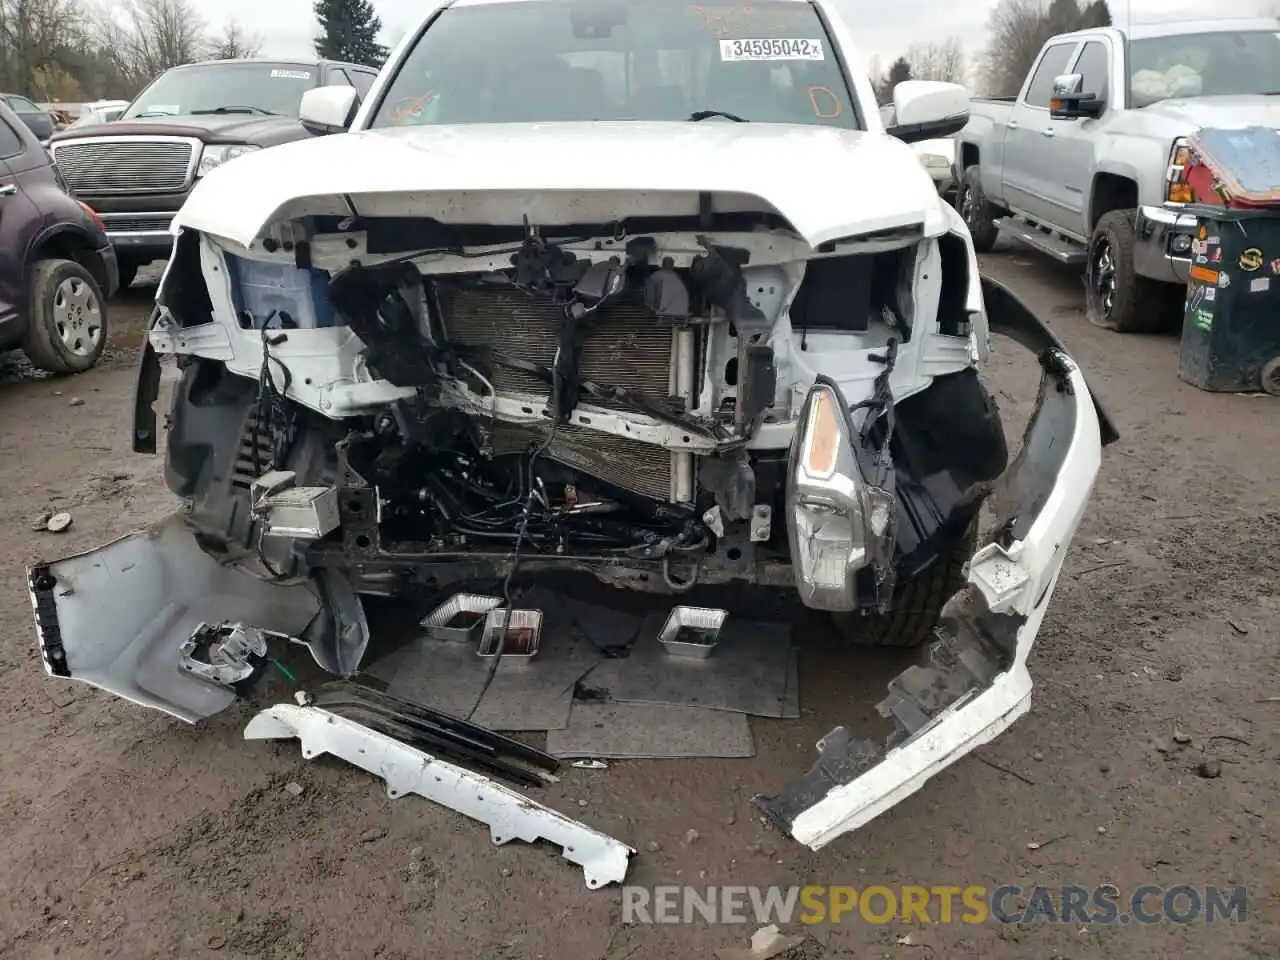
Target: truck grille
{"points": [[126, 165], [135, 223]]}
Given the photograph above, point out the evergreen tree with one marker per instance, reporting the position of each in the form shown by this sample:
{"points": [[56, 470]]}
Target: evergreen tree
{"points": [[349, 31], [1063, 16], [1096, 14], [901, 70]]}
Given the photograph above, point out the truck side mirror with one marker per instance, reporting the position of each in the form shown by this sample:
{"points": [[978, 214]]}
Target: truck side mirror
{"points": [[928, 110], [328, 109], [1068, 102]]}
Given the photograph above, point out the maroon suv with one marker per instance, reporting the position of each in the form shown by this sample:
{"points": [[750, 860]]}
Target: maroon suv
{"points": [[57, 266]]}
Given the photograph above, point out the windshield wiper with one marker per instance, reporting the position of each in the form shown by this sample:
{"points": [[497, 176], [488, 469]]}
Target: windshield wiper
{"points": [[236, 108], [708, 114]]}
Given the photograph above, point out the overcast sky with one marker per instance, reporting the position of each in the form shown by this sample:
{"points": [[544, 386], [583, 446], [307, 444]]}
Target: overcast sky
{"points": [[286, 27]]}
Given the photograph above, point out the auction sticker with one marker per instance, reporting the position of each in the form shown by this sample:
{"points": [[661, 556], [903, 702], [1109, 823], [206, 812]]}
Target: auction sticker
{"points": [[290, 75], [731, 50]]}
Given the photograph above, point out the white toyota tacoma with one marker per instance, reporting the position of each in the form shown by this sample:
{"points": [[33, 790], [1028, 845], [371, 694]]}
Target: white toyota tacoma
{"points": [[640, 289]]}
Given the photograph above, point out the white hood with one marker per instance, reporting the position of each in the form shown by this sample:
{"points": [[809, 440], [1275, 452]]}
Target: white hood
{"points": [[828, 183], [1229, 113]]}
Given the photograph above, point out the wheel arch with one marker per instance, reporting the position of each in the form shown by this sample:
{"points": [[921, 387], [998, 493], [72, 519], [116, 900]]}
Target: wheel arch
{"points": [[66, 241], [1111, 190]]}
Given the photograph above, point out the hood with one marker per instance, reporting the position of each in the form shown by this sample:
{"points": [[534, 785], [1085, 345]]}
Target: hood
{"points": [[1255, 110], [208, 128], [828, 183]]}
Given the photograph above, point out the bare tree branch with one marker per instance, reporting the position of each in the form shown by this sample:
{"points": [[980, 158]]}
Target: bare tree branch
{"points": [[34, 36], [234, 43], [937, 61], [1018, 29]]}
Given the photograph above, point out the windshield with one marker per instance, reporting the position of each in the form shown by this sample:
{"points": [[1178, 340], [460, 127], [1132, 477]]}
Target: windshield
{"points": [[627, 60], [249, 88], [1216, 64]]}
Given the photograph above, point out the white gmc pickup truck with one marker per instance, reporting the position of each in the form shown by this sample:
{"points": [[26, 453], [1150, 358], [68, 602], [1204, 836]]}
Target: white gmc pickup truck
{"points": [[639, 290], [1085, 164]]}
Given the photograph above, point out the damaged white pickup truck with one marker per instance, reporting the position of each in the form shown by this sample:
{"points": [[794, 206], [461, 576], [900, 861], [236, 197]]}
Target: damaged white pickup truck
{"points": [[638, 288]]}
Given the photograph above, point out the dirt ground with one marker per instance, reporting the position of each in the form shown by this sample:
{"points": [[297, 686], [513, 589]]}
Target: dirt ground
{"points": [[127, 834]]}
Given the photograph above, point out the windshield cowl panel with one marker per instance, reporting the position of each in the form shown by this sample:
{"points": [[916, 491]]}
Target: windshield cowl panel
{"points": [[225, 89], [638, 60]]}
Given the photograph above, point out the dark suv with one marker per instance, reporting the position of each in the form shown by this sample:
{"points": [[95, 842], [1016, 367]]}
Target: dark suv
{"points": [[57, 266], [137, 171]]}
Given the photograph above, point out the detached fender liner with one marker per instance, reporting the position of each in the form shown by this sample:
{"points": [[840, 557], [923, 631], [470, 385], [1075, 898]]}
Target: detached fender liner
{"points": [[973, 682]]}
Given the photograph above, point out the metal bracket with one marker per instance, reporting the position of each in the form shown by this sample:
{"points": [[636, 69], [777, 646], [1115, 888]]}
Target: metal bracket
{"points": [[232, 652]]}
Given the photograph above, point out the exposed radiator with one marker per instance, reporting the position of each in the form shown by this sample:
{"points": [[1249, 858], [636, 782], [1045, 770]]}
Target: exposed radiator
{"points": [[642, 468], [628, 346]]}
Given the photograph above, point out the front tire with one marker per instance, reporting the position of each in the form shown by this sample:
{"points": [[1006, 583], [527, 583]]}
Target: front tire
{"points": [[975, 208], [1116, 297], [916, 603], [67, 318]]}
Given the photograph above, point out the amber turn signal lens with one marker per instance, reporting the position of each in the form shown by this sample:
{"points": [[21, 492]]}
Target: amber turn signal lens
{"points": [[1180, 193], [824, 436]]}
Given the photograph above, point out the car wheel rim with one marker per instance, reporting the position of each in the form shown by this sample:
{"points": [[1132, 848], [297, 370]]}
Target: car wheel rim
{"points": [[77, 317], [967, 207], [1104, 278]]}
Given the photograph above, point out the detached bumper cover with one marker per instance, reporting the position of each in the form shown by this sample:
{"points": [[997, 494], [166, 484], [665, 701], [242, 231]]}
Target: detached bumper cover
{"points": [[975, 682], [116, 617]]}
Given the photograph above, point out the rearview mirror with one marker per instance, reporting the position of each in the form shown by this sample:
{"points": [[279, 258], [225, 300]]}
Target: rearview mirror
{"points": [[928, 109], [1069, 103], [328, 109]]}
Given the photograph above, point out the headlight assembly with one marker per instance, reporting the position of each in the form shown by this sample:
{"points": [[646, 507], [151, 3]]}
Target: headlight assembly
{"points": [[216, 155], [838, 521]]}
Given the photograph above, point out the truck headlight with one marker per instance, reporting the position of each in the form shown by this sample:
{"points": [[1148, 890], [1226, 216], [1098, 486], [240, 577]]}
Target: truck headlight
{"points": [[835, 518], [1177, 188], [217, 154], [933, 161]]}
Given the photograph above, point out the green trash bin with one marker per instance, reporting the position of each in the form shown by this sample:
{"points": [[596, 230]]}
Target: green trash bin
{"points": [[1231, 323]]}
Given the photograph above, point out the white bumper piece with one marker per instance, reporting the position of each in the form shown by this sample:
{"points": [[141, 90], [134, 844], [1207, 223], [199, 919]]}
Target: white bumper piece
{"points": [[117, 617], [405, 769]]}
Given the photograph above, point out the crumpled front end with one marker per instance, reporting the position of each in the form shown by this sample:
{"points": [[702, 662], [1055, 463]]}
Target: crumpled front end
{"points": [[377, 401]]}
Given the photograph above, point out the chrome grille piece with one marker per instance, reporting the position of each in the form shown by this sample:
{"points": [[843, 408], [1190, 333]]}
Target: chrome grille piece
{"points": [[641, 468], [627, 347], [136, 223], [127, 164]]}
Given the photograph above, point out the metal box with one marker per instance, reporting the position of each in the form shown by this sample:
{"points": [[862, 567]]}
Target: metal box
{"points": [[692, 632], [511, 634], [459, 617]]}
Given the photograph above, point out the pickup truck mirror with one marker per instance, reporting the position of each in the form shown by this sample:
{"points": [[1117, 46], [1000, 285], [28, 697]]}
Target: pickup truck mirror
{"points": [[928, 110], [1069, 103], [328, 109]]}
